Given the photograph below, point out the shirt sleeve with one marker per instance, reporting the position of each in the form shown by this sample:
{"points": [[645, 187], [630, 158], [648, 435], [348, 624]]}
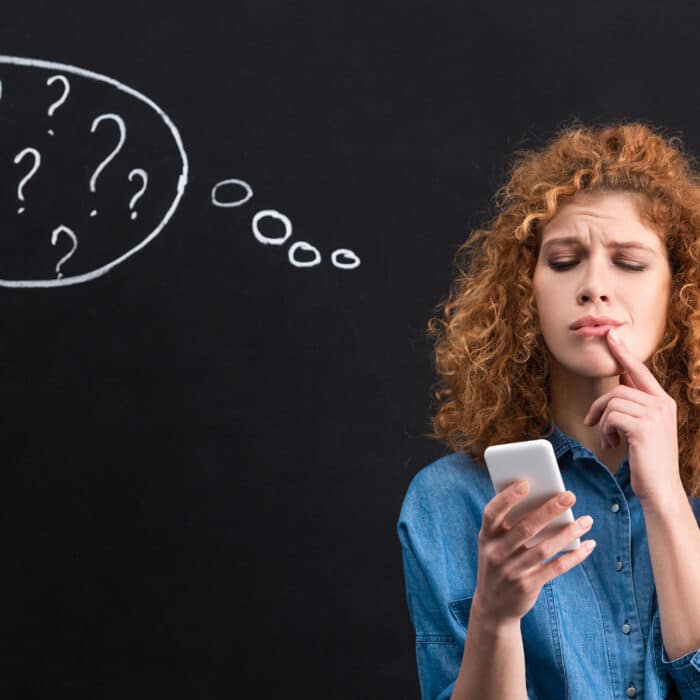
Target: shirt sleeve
{"points": [[435, 530], [438, 651], [685, 670], [438, 656]]}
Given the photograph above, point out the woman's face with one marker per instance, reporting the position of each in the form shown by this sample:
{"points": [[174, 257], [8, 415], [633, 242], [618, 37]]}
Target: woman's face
{"points": [[629, 284]]}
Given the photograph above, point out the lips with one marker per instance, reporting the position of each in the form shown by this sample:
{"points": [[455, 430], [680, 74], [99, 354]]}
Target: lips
{"points": [[593, 330], [594, 321]]}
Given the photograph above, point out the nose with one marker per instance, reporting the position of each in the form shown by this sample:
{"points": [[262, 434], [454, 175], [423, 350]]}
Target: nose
{"points": [[596, 279]]}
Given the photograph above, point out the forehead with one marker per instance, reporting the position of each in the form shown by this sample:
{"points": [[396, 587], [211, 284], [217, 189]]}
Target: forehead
{"points": [[607, 216]]}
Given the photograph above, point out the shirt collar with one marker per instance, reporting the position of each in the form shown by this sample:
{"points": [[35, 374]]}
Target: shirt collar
{"points": [[563, 443]]}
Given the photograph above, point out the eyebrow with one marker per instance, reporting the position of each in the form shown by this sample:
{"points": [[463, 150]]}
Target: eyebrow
{"points": [[612, 244]]}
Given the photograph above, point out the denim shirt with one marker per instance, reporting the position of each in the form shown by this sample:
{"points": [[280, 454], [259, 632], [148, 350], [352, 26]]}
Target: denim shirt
{"points": [[594, 631]]}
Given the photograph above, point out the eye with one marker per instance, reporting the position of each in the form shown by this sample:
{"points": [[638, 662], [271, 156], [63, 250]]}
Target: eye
{"points": [[565, 265]]}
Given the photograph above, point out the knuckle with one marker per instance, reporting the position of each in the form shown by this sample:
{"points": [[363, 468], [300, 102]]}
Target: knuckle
{"points": [[543, 550], [492, 557], [486, 528], [521, 586], [510, 576], [561, 564], [487, 519], [526, 529]]}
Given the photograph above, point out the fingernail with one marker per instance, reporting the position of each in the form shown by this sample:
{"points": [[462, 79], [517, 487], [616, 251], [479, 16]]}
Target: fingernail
{"points": [[613, 335], [521, 487], [566, 499]]}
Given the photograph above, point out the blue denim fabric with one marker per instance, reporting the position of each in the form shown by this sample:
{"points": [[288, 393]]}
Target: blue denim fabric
{"points": [[594, 631]]}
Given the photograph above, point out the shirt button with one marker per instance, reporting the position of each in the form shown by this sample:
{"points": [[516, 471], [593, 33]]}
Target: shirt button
{"points": [[614, 507], [631, 692], [626, 628], [618, 565]]}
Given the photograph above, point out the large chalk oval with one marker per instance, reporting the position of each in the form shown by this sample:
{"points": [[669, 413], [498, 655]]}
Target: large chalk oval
{"points": [[59, 86]]}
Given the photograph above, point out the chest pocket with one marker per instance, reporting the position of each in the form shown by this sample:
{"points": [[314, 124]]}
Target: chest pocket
{"points": [[460, 610], [541, 621]]}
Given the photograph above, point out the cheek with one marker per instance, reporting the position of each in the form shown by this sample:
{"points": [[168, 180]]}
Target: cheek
{"points": [[543, 290], [550, 302], [651, 307]]}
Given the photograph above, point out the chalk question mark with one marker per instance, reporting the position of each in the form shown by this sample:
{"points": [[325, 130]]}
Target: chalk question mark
{"points": [[144, 176], [103, 164], [54, 237], [37, 162], [66, 89]]}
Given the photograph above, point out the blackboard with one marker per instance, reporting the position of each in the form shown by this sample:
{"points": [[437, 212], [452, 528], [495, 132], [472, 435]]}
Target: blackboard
{"points": [[224, 228]]}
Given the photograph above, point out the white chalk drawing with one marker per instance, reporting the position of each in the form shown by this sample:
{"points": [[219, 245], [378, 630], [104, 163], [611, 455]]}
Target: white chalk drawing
{"points": [[306, 248], [37, 162], [54, 237], [299, 245], [140, 172], [62, 70], [236, 203], [66, 89], [302, 246], [273, 214], [348, 253], [105, 161]]}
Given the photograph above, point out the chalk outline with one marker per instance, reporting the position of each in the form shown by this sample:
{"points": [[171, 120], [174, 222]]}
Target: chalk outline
{"points": [[66, 91], [230, 181], [181, 183], [37, 162], [345, 266], [54, 238], [113, 153], [144, 177], [304, 245]]}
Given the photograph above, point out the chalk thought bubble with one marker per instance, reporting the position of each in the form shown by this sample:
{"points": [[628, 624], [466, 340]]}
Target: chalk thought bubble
{"points": [[79, 150]]}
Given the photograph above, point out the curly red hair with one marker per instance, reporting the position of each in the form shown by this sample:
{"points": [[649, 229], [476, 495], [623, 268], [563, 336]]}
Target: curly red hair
{"points": [[489, 355]]}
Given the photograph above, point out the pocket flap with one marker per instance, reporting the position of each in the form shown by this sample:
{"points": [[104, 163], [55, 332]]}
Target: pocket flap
{"points": [[460, 609]]}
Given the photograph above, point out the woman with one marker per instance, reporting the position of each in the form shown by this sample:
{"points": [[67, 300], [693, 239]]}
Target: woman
{"points": [[604, 223]]}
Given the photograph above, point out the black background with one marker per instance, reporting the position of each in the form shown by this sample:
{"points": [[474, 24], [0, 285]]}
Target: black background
{"points": [[205, 450]]}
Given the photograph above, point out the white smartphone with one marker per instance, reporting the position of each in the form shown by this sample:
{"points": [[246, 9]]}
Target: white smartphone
{"points": [[535, 461]]}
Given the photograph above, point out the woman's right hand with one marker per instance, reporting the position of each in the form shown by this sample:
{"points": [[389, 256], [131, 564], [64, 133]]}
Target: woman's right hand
{"points": [[510, 576]]}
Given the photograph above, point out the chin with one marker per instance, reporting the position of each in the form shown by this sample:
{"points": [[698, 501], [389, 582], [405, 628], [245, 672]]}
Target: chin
{"points": [[593, 369]]}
